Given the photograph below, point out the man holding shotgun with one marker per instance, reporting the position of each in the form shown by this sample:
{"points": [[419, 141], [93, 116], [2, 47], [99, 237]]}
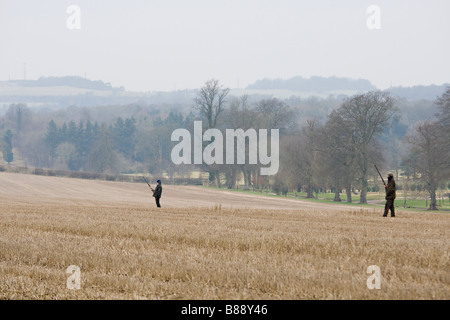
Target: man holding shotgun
{"points": [[156, 192], [390, 194]]}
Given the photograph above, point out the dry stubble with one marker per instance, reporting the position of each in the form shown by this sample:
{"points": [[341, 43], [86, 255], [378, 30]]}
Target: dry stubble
{"points": [[198, 253], [137, 252]]}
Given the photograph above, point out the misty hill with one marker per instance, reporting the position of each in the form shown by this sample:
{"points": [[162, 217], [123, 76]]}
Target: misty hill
{"points": [[313, 84], [419, 92], [54, 93], [322, 87], [67, 81]]}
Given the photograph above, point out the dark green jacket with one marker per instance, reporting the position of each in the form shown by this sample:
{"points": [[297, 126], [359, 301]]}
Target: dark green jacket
{"points": [[158, 191], [390, 190]]}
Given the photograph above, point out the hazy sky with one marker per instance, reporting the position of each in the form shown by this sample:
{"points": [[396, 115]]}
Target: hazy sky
{"points": [[152, 45]]}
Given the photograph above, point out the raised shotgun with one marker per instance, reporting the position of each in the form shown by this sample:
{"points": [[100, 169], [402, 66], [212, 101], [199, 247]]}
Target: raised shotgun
{"points": [[148, 184], [380, 175]]}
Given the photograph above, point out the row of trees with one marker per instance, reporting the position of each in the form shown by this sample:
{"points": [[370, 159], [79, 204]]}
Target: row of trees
{"points": [[339, 153], [340, 149], [429, 153], [217, 112], [91, 147], [336, 152]]}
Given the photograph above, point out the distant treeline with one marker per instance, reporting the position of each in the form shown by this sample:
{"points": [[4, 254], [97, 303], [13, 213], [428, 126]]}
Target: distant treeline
{"points": [[322, 84], [96, 176], [325, 144], [419, 92], [314, 84], [110, 96], [69, 81]]}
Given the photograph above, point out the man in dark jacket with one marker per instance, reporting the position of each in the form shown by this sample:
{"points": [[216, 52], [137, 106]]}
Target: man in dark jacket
{"points": [[157, 193], [390, 196]]}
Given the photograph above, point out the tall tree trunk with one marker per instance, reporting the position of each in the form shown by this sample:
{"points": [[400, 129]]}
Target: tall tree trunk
{"points": [[337, 196], [217, 175], [256, 179], [348, 190], [212, 177], [433, 198], [364, 184], [232, 184], [310, 191], [246, 178], [363, 197]]}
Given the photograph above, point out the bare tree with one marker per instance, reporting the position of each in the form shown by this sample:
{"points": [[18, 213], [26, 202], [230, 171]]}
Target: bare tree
{"points": [[299, 159], [430, 149], [310, 154], [443, 116], [18, 116], [337, 154], [239, 115], [443, 103], [433, 161], [210, 102], [365, 116], [274, 114]]}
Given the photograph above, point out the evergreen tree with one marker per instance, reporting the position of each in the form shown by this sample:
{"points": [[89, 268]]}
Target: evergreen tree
{"points": [[8, 155], [52, 138], [124, 136]]}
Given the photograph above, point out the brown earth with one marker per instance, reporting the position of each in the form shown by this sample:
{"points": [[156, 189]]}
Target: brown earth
{"points": [[35, 189], [208, 244]]}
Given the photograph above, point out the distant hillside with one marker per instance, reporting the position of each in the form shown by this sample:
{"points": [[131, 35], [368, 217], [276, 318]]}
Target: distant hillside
{"points": [[419, 92], [313, 84], [59, 92], [346, 86], [68, 81]]}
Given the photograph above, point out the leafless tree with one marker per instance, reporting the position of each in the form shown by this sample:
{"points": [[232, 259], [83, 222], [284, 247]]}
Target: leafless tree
{"points": [[365, 116], [337, 154], [443, 116], [240, 116], [299, 159], [17, 117], [430, 148], [274, 114], [443, 103], [427, 141], [210, 102]]}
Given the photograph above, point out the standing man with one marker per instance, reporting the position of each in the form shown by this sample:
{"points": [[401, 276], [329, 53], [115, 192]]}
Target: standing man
{"points": [[157, 193], [390, 196]]}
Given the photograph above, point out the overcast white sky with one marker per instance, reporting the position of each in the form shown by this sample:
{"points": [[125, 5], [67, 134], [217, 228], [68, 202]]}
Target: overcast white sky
{"points": [[153, 45]]}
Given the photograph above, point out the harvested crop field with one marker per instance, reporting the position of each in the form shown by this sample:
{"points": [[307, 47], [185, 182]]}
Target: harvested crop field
{"points": [[207, 244]]}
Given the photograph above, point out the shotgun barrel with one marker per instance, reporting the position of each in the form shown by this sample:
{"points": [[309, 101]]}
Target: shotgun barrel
{"points": [[148, 183], [380, 175]]}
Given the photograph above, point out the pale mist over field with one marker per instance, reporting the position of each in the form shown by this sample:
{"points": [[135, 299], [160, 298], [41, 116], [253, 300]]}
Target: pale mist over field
{"points": [[176, 44]]}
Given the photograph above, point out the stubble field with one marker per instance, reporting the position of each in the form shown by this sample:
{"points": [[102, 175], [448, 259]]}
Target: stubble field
{"points": [[206, 244]]}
